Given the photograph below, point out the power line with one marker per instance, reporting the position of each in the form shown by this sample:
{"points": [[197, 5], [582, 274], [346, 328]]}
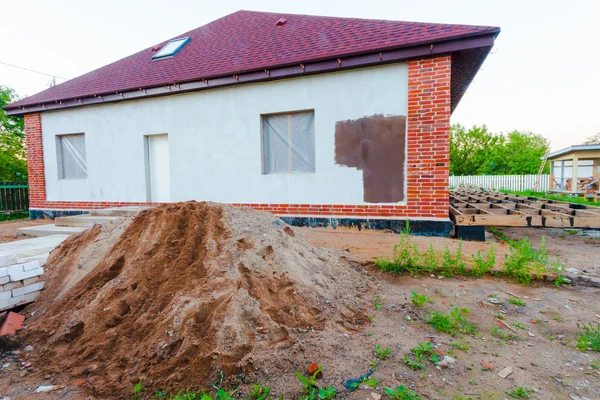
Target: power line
{"points": [[32, 70]]}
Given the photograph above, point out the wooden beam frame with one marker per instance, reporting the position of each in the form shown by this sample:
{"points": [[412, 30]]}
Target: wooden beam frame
{"points": [[471, 208]]}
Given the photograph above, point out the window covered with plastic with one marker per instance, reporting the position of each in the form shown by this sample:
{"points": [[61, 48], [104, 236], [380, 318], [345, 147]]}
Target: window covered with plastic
{"points": [[289, 143], [72, 163]]}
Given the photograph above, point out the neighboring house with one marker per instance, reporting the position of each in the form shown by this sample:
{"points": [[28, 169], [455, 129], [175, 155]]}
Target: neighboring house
{"points": [[324, 120], [581, 162]]}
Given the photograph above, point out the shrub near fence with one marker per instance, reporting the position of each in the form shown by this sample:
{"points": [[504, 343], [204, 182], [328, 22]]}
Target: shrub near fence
{"points": [[496, 182], [14, 196]]}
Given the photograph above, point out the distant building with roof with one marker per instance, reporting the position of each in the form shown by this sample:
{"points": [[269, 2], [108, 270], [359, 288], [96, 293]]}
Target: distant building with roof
{"points": [[575, 169]]}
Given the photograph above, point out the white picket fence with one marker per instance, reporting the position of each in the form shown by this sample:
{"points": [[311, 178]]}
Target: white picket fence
{"points": [[496, 182]]}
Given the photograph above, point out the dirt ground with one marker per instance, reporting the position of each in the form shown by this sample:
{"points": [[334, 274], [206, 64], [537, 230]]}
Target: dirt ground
{"points": [[8, 229], [543, 357]]}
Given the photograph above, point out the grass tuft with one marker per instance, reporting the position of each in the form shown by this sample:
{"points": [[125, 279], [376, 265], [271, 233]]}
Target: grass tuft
{"points": [[453, 322], [419, 300]]}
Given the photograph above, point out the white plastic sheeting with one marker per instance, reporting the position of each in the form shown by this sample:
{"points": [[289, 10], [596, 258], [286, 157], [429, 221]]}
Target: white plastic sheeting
{"points": [[73, 163], [289, 143]]}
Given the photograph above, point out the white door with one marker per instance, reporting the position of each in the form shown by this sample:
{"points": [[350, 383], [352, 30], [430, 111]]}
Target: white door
{"points": [[158, 168]]}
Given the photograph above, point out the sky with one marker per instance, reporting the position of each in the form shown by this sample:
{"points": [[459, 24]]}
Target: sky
{"points": [[542, 76]]}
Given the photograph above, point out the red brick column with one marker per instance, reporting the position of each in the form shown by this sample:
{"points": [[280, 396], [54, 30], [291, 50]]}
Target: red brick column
{"points": [[428, 136], [35, 160]]}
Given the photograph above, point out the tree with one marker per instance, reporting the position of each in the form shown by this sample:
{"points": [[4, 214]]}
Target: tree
{"points": [[13, 156], [477, 151], [471, 150], [593, 139]]}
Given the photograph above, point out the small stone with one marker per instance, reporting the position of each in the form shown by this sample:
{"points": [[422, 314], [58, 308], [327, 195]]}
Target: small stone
{"points": [[505, 372], [42, 389], [408, 318], [47, 377], [28, 348], [494, 300], [375, 396], [531, 334], [23, 374], [27, 365], [346, 336], [447, 362]]}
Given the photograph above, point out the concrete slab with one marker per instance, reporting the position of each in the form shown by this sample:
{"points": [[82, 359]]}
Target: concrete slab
{"points": [[50, 229], [32, 249], [83, 221], [126, 211]]}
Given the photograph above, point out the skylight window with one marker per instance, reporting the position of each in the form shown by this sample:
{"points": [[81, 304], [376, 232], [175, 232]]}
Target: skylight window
{"points": [[171, 48]]}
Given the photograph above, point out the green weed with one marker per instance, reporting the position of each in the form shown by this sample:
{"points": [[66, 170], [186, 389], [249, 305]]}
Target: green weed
{"points": [[484, 262], [414, 365], [520, 393], [259, 392], [460, 345], [561, 280], [519, 325], [430, 261], [327, 393], [419, 300], [309, 384], [453, 263], [366, 382], [381, 353], [588, 337], [138, 390], [419, 353], [401, 393], [378, 302], [595, 364], [524, 263], [373, 364], [452, 323], [517, 302], [498, 333], [421, 350], [498, 234]]}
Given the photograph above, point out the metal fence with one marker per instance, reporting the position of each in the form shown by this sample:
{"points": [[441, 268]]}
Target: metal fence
{"points": [[508, 182], [14, 196]]}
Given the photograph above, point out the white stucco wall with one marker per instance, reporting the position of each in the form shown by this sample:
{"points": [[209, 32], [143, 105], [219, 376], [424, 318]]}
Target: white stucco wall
{"points": [[215, 140]]}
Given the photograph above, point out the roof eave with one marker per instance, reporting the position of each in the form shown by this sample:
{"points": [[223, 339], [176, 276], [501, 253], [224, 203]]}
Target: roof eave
{"points": [[373, 58], [573, 149]]}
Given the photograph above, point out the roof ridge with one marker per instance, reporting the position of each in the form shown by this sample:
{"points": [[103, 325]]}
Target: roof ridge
{"points": [[363, 19]]}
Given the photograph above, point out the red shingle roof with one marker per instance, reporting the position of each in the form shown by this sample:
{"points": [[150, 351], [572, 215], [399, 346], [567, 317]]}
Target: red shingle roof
{"points": [[248, 40]]}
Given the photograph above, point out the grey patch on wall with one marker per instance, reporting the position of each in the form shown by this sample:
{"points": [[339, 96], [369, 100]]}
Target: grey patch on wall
{"points": [[376, 146]]}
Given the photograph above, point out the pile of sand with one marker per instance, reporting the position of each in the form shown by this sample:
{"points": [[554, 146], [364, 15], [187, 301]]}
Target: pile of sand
{"points": [[184, 291]]}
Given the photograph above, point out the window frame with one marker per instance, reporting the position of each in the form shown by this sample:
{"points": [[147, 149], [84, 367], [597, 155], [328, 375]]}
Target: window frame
{"points": [[262, 142], [184, 41], [60, 165]]}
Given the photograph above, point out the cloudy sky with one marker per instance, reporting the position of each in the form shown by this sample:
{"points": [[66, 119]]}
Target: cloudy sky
{"points": [[542, 76]]}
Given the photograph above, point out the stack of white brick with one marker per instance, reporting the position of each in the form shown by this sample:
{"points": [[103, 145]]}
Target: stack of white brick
{"points": [[20, 283]]}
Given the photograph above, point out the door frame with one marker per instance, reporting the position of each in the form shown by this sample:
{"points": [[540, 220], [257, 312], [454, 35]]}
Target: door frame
{"points": [[147, 164]]}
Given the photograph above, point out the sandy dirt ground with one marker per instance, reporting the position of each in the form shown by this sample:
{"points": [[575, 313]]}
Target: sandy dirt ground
{"points": [[541, 354], [8, 229]]}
